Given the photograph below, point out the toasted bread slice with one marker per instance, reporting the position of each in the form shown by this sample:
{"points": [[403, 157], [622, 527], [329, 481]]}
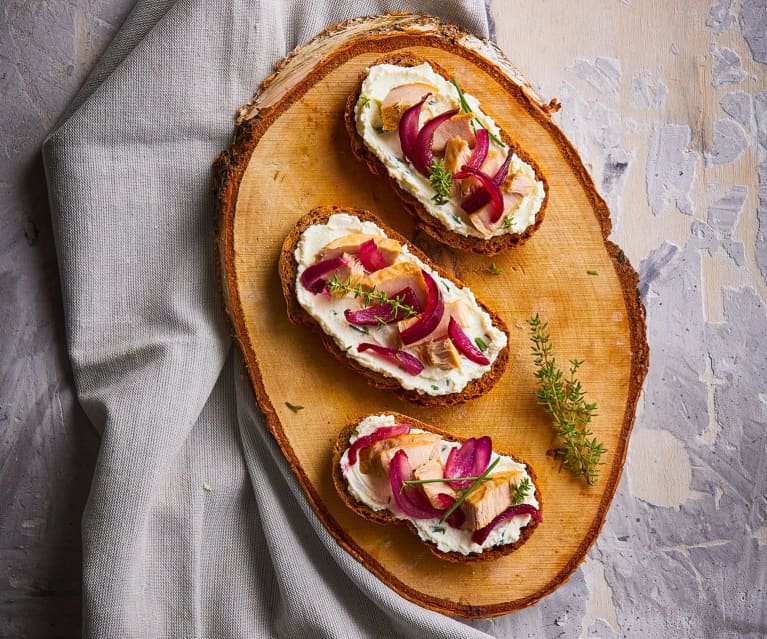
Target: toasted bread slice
{"points": [[480, 381], [384, 516], [503, 239]]}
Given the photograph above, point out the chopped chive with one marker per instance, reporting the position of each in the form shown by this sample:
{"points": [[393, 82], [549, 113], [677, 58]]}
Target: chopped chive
{"points": [[294, 407], [360, 329], [480, 343], [434, 387], [438, 529], [462, 99], [592, 272], [466, 492], [457, 219]]}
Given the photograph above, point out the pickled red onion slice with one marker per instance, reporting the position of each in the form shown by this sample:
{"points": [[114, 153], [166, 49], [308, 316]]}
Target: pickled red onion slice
{"points": [[423, 155], [384, 432], [371, 257], [464, 345], [480, 197], [478, 155], [408, 129], [480, 535], [470, 459], [491, 188], [432, 314], [384, 313], [410, 499], [402, 359], [311, 278]]}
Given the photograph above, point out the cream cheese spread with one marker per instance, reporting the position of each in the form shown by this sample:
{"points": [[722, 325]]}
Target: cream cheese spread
{"points": [[375, 493], [381, 79], [328, 312]]}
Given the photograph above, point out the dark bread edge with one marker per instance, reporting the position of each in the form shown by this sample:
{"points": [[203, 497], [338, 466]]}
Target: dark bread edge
{"points": [[288, 269], [425, 220], [385, 517]]}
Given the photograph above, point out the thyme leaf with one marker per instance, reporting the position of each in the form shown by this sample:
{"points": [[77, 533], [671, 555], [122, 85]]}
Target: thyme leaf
{"points": [[441, 180], [520, 491], [563, 397], [365, 100]]}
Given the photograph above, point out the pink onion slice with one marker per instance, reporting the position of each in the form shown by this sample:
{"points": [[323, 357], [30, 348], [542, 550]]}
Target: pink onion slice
{"points": [[491, 188], [384, 432], [460, 463], [464, 345], [470, 459], [408, 129], [371, 257], [478, 155], [402, 359], [312, 276], [432, 314], [384, 313], [422, 156], [410, 499], [480, 197], [480, 535]]}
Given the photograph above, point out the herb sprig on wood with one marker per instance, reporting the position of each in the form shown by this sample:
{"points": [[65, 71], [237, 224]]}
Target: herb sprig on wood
{"points": [[563, 397]]}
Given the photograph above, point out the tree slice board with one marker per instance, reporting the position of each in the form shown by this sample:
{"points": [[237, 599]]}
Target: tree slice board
{"points": [[290, 154]]}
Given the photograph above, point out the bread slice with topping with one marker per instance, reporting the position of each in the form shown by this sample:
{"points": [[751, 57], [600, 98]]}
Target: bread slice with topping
{"points": [[409, 121], [381, 307], [495, 515]]}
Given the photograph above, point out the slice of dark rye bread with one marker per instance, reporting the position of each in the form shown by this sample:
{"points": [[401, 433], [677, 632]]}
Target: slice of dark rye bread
{"points": [[425, 221], [386, 517], [288, 270]]}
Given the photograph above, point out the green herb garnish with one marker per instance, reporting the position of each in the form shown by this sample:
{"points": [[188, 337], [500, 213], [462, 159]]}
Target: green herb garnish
{"points": [[465, 493], [480, 343], [365, 101], [564, 399], [360, 329], [457, 219], [294, 407], [378, 129], [369, 297], [439, 529], [520, 491], [461, 97], [591, 272], [508, 222], [441, 180], [434, 387], [495, 269]]}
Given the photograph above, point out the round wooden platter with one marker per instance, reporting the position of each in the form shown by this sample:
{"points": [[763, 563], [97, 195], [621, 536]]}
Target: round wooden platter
{"points": [[290, 154]]}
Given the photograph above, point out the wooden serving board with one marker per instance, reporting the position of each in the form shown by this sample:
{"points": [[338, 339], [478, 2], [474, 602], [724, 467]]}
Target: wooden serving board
{"points": [[290, 154]]}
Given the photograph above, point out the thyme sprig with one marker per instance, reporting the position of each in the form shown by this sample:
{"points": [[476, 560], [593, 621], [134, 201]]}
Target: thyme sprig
{"points": [[369, 297], [564, 399], [441, 181], [520, 491]]}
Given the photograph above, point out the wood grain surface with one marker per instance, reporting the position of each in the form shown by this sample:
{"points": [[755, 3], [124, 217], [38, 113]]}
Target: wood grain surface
{"points": [[291, 154]]}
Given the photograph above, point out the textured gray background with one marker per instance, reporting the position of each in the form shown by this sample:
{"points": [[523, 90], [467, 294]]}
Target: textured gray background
{"points": [[679, 149]]}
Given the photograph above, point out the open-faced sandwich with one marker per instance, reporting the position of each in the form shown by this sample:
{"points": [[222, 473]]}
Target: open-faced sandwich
{"points": [[466, 501], [385, 310], [448, 161]]}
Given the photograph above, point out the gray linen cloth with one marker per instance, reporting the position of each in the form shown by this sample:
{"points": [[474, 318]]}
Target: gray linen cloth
{"points": [[195, 525]]}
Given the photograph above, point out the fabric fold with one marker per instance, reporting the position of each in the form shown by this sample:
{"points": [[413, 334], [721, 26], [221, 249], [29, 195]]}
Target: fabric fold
{"points": [[195, 526]]}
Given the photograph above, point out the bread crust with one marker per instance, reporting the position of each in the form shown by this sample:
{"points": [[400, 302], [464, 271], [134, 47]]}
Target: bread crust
{"points": [[386, 517], [288, 271], [425, 220]]}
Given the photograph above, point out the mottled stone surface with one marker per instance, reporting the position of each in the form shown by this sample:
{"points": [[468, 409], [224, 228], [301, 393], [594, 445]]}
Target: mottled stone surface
{"points": [[47, 447]]}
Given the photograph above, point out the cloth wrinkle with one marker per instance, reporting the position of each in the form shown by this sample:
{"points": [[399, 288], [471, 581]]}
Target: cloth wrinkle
{"points": [[195, 525]]}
